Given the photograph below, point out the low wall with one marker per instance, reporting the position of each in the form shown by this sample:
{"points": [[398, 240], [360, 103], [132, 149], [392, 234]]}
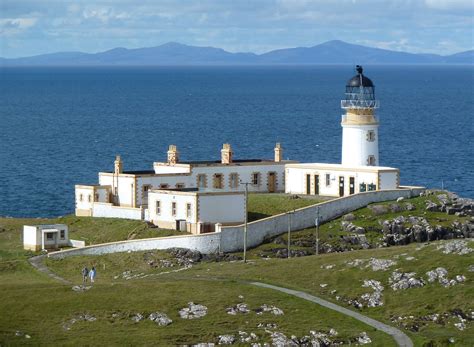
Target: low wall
{"points": [[103, 209], [258, 231], [230, 239], [77, 243], [205, 243]]}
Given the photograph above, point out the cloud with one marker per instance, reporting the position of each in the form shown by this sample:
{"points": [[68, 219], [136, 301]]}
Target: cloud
{"points": [[13, 26]]}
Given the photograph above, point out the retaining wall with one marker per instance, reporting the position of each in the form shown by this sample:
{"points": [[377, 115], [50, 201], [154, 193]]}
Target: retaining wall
{"points": [[205, 243], [230, 239], [258, 231]]}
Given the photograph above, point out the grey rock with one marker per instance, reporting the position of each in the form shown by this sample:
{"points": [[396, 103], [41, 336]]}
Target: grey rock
{"points": [[226, 339], [160, 318], [378, 209], [193, 311], [349, 217], [239, 308], [409, 206]]}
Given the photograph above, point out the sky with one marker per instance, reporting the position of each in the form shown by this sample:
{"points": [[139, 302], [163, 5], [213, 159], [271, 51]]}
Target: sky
{"points": [[31, 27]]}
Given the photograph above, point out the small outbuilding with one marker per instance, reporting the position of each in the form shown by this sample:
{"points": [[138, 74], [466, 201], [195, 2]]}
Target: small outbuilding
{"points": [[45, 236], [195, 210]]}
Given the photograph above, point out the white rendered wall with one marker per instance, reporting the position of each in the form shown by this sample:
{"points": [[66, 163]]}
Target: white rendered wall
{"points": [[389, 180], [161, 168], [355, 145], [101, 209], [166, 201], [228, 208], [31, 236], [86, 193], [296, 180]]}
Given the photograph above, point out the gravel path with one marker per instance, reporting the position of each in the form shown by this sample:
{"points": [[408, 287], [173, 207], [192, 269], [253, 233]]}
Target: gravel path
{"points": [[37, 262], [400, 337]]}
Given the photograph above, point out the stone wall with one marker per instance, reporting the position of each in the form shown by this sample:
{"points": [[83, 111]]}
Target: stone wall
{"points": [[205, 243], [230, 239], [258, 231]]}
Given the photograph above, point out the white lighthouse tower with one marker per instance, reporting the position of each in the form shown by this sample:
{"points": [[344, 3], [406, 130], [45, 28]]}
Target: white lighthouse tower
{"points": [[360, 141]]}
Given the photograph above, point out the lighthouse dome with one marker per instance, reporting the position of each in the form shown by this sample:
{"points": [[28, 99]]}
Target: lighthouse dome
{"points": [[359, 80]]}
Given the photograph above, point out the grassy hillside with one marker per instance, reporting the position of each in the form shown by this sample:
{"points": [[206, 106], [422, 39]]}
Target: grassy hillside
{"points": [[338, 277]]}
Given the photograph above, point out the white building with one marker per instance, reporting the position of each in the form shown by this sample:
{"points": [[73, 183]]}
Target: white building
{"points": [[40, 237], [124, 194], [360, 151], [195, 210], [338, 180], [191, 195]]}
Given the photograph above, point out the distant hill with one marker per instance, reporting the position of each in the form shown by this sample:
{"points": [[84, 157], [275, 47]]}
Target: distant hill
{"points": [[172, 53]]}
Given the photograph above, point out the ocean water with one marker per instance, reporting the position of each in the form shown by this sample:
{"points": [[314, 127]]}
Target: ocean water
{"points": [[60, 126]]}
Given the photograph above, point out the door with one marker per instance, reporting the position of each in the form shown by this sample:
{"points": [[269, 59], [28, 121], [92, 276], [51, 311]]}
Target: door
{"points": [[271, 182], [316, 184], [341, 185], [308, 184], [351, 185]]}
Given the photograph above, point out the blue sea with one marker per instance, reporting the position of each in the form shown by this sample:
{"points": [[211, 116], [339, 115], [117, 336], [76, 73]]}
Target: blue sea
{"points": [[61, 126]]}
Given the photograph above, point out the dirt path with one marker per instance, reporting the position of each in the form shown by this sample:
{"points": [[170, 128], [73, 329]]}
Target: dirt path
{"points": [[400, 337], [38, 264]]}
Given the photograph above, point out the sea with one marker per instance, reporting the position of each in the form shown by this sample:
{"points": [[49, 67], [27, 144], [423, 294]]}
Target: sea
{"points": [[61, 126]]}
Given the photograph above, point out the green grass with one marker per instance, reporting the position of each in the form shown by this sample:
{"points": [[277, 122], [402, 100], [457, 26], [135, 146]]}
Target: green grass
{"points": [[39, 306], [91, 230], [331, 233], [266, 205]]}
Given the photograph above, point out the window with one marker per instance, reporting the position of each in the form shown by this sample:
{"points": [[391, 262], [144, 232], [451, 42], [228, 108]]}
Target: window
{"points": [[81, 197], [256, 178], [234, 180], [89, 198], [164, 186], [158, 207], [371, 160], [202, 181], [96, 197], [49, 236], [173, 209], [328, 180], [371, 136], [217, 183], [188, 210], [62, 234], [362, 187], [371, 187], [146, 188], [179, 185]]}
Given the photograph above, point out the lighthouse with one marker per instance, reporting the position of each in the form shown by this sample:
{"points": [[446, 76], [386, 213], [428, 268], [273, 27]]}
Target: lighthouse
{"points": [[360, 141]]}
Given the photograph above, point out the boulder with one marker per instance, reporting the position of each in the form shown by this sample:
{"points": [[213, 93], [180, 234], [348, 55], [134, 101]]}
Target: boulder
{"points": [[378, 209], [349, 217]]}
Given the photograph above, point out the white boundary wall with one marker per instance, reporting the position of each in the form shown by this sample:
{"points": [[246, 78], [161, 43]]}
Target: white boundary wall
{"points": [[230, 239], [258, 231], [103, 209]]}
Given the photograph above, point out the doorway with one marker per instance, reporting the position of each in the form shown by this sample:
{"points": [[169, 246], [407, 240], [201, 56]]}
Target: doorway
{"points": [[316, 184], [308, 184], [341, 185], [351, 185], [271, 182]]}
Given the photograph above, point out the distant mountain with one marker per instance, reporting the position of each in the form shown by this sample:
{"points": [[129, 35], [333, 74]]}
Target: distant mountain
{"points": [[172, 53]]}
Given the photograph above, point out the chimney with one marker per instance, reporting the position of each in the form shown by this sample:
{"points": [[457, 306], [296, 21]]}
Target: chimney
{"points": [[226, 154], [278, 153], [118, 165], [173, 155]]}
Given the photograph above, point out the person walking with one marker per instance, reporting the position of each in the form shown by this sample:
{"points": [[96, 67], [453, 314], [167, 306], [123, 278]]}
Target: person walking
{"points": [[92, 274], [85, 273]]}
